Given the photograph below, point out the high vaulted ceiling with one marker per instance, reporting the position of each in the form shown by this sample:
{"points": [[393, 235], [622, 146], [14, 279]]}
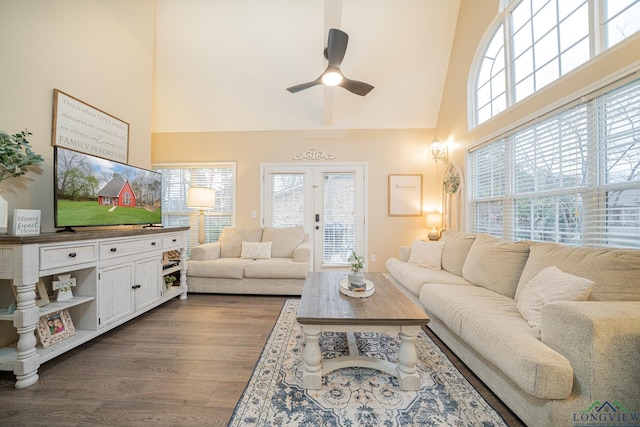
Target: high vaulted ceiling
{"points": [[224, 65]]}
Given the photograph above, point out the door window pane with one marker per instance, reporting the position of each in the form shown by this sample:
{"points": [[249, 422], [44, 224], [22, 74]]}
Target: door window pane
{"points": [[338, 210]]}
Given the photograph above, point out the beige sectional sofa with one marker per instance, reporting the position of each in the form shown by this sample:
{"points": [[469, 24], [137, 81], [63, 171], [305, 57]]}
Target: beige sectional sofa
{"points": [[586, 354], [256, 260]]}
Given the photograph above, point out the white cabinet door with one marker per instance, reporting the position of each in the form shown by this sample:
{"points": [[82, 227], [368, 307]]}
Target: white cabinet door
{"points": [[115, 293], [148, 284]]}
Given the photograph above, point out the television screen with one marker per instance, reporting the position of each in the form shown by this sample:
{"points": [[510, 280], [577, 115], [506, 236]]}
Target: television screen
{"points": [[91, 191]]}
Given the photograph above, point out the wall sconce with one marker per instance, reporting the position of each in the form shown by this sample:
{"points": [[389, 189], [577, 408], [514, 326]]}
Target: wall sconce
{"points": [[201, 198], [434, 220], [438, 150]]}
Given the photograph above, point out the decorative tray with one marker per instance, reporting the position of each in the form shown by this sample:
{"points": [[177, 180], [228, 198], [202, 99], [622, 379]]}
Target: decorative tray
{"points": [[367, 292]]}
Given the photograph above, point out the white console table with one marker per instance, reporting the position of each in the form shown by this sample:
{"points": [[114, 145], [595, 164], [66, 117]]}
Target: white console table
{"points": [[119, 275]]}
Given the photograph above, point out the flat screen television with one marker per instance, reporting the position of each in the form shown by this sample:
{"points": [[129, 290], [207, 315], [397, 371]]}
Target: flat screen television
{"points": [[91, 191]]}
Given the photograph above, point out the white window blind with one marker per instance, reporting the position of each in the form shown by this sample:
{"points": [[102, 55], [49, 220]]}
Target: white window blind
{"points": [[338, 207], [287, 199], [176, 181], [572, 177]]}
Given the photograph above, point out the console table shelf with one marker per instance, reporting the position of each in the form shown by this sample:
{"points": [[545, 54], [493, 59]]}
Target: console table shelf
{"points": [[119, 275]]}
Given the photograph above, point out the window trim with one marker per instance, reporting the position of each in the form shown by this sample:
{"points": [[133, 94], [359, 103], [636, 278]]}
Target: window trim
{"points": [[597, 42]]}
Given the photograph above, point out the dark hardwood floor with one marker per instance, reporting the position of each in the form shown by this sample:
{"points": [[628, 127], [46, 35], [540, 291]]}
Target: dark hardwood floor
{"points": [[185, 363]]}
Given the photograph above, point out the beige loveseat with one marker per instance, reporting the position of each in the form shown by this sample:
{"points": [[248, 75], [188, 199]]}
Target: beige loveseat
{"points": [[271, 261], [581, 368]]}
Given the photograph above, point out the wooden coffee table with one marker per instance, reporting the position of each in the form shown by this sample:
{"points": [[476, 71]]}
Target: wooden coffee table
{"points": [[324, 309]]}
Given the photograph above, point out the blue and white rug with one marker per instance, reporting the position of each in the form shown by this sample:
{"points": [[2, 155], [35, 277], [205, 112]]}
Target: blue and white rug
{"points": [[355, 396]]}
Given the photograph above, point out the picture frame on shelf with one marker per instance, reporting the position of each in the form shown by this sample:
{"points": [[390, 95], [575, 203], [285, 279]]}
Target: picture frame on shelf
{"points": [[55, 327], [42, 297]]}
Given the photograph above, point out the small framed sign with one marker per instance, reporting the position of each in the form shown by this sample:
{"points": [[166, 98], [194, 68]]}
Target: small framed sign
{"points": [[26, 222], [62, 286]]}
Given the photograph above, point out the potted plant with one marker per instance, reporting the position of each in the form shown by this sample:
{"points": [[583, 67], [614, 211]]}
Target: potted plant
{"points": [[356, 276], [169, 280], [15, 156]]}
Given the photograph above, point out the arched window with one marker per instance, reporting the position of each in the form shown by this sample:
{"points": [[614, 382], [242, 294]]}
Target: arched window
{"points": [[534, 42]]}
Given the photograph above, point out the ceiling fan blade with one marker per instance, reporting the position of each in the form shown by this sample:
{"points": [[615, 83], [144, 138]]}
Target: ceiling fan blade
{"points": [[354, 86], [336, 47], [303, 86]]}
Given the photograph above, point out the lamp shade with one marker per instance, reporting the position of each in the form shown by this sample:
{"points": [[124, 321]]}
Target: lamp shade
{"points": [[201, 198], [434, 219]]}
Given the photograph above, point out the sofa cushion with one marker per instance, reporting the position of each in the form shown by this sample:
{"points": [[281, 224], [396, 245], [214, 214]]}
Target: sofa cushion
{"points": [[426, 254], [550, 284], [495, 263], [256, 250], [231, 240], [615, 272], [456, 249], [277, 268], [502, 336], [413, 277], [226, 268], [285, 240]]}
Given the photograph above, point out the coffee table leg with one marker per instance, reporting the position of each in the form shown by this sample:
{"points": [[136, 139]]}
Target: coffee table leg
{"points": [[312, 374], [408, 376]]}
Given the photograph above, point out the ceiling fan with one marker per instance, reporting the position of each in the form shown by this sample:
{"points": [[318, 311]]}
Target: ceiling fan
{"points": [[332, 76]]}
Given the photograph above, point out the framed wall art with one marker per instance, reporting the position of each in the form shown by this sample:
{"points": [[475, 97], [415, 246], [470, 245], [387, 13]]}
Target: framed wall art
{"points": [[405, 194], [55, 327], [81, 127]]}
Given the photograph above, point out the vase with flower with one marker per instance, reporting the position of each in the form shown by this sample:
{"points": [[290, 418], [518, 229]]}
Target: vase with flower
{"points": [[16, 156], [356, 276]]}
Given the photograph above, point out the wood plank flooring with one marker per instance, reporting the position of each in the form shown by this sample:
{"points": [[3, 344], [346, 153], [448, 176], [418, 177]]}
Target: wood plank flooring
{"points": [[185, 363]]}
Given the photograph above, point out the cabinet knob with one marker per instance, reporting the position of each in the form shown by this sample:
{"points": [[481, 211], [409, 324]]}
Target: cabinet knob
{"points": [[174, 240], [72, 255], [113, 249], [153, 243]]}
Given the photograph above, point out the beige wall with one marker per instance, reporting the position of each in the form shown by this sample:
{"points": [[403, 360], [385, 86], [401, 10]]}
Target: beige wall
{"points": [[384, 151], [100, 52], [473, 20]]}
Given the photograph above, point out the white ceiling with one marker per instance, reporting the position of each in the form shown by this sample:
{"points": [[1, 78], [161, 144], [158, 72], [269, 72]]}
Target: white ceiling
{"points": [[224, 65]]}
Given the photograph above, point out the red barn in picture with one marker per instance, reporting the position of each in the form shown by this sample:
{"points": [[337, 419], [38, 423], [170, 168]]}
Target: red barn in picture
{"points": [[117, 192]]}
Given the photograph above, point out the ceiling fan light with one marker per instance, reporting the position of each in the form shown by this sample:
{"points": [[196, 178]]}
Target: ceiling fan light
{"points": [[332, 78]]}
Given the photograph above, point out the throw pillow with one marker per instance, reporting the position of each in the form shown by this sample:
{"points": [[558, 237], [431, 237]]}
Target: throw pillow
{"points": [[256, 250], [427, 254], [550, 284]]}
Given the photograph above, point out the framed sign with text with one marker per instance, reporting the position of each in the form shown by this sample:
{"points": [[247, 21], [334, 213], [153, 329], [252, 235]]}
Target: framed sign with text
{"points": [[81, 127], [405, 195]]}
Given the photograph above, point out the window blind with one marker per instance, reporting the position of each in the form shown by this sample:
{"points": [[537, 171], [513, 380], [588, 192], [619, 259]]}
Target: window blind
{"points": [[176, 181], [287, 199], [338, 211], [571, 177]]}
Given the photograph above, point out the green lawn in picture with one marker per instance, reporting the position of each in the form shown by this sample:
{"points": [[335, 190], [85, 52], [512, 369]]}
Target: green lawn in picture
{"points": [[74, 213]]}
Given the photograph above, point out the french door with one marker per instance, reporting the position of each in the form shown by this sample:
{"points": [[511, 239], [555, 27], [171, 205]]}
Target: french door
{"points": [[329, 200]]}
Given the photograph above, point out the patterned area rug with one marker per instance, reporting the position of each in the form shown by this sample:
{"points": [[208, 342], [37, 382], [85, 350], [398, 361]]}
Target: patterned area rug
{"points": [[355, 396]]}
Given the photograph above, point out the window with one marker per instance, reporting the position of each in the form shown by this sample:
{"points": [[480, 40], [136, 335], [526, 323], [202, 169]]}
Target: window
{"points": [[573, 177], [176, 181], [538, 41]]}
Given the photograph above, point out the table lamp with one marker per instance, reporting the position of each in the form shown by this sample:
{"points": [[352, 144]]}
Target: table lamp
{"points": [[201, 198], [434, 220]]}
